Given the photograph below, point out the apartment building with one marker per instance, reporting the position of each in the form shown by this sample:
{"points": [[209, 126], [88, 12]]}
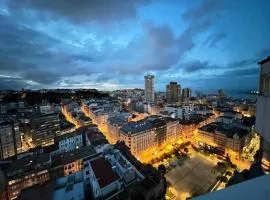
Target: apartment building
{"points": [[44, 128], [229, 140], [10, 139], [25, 173], [149, 132]]}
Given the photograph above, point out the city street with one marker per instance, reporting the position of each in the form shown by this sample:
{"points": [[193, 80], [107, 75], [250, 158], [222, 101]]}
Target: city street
{"points": [[193, 177]]}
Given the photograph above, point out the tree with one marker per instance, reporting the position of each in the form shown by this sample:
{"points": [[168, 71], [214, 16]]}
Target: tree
{"points": [[177, 154], [223, 179], [186, 150], [162, 169], [228, 173]]}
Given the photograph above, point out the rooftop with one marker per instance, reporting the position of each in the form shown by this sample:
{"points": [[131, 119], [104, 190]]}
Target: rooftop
{"points": [[136, 127], [117, 120], [69, 135], [225, 129], [103, 172], [27, 164], [41, 192], [70, 187], [71, 156], [96, 137]]}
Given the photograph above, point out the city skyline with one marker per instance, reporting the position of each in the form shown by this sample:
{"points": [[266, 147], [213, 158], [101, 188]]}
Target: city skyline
{"points": [[204, 45]]}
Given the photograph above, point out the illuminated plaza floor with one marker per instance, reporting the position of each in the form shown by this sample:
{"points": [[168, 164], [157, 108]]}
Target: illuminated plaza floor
{"points": [[193, 177]]}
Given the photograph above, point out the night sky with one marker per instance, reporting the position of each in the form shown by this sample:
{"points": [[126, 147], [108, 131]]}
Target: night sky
{"points": [[112, 44]]}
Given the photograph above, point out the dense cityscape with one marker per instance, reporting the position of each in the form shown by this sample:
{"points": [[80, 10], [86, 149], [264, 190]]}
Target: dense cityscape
{"points": [[134, 100], [86, 144]]}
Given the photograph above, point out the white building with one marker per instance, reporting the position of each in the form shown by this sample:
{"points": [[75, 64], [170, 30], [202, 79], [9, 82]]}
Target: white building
{"points": [[151, 132], [100, 177], [114, 125], [138, 136], [263, 111], [149, 88], [180, 112], [70, 141], [173, 129], [109, 174]]}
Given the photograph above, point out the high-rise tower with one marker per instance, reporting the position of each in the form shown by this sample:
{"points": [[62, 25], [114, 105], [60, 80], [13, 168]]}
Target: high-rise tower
{"points": [[149, 88], [173, 92]]}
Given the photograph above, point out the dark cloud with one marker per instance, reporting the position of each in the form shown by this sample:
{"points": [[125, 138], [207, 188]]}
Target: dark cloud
{"points": [[26, 53], [206, 8], [20, 41], [160, 48], [213, 40], [82, 10], [243, 72], [250, 61], [9, 83], [195, 66], [243, 63]]}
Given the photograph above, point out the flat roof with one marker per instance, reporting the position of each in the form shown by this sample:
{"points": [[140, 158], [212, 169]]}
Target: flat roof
{"points": [[136, 127], [70, 187], [257, 188], [228, 131], [71, 156], [96, 136], [41, 192], [69, 135], [25, 164], [117, 120], [103, 172]]}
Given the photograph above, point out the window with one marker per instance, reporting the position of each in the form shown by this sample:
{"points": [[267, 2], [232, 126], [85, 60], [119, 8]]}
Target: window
{"points": [[265, 84]]}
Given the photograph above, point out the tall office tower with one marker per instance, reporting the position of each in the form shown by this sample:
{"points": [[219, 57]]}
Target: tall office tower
{"points": [[44, 128], [173, 93], [186, 93], [221, 93], [149, 88], [262, 125], [10, 139]]}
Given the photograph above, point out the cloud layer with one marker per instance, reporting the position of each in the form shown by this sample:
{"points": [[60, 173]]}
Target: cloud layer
{"points": [[112, 44]]}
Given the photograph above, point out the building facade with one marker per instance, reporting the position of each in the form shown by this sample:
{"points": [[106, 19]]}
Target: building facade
{"points": [[138, 136], [149, 88], [70, 141], [44, 128], [10, 139], [186, 93], [173, 93], [25, 173], [227, 139], [151, 132], [262, 125]]}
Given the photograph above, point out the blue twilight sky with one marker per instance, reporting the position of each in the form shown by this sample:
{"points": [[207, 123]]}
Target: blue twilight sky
{"points": [[111, 44]]}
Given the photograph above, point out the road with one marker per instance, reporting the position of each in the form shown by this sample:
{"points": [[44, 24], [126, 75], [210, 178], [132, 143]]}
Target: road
{"points": [[70, 118]]}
